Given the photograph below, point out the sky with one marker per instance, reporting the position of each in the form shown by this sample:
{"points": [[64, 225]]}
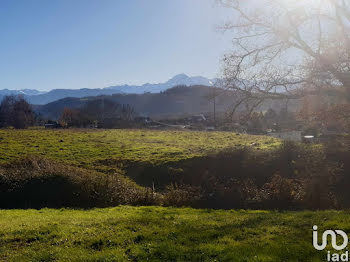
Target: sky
{"points": [[74, 44]]}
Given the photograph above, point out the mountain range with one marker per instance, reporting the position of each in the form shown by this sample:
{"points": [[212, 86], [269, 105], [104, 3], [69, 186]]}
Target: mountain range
{"points": [[174, 102], [41, 97]]}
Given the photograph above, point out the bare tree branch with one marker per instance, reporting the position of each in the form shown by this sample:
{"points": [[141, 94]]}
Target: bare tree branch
{"points": [[286, 50]]}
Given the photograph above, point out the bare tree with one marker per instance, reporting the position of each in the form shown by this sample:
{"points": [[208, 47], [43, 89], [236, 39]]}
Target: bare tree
{"points": [[17, 112], [287, 49], [103, 110], [70, 117], [6, 111], [127, 112]]}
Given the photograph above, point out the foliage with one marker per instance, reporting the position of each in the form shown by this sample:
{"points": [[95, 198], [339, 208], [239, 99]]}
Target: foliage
{"points": [[292, 176], [180, 196], [331, 117]]}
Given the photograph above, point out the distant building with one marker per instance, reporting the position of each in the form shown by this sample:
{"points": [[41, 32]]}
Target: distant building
{"points": [[52, 125], [210, 128], [198, 118]]}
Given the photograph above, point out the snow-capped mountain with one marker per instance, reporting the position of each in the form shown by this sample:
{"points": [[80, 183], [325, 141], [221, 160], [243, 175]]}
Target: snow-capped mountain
{"points": [[25, 92], [40, 98], [180, 79], [31, 92]]}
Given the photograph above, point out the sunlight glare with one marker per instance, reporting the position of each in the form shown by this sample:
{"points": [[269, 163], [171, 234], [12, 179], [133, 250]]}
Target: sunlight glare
{"points": [[304, 3]]}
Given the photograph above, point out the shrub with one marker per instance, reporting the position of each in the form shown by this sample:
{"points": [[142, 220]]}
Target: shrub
{"points": [[292, 176], [38, 182], [179, 196]]}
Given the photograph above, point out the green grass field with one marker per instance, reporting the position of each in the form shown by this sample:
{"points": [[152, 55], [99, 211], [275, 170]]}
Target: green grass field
{"points": [[149, 233], [162, 234], [89, 148]]}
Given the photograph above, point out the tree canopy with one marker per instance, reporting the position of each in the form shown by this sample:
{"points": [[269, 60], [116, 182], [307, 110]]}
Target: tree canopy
{"points": [[288, 49]]}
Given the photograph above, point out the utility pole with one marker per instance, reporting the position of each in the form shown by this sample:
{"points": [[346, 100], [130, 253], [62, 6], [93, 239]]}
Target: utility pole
{"points": [[214, 106]]}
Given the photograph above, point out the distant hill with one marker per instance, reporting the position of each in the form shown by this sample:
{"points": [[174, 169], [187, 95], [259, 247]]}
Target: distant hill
{"points": [[41, 98], [174, 102], [177, 101], [57, 94]]}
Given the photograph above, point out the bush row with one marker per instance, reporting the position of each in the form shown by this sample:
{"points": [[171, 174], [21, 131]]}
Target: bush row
{"points": [[293, 176]]}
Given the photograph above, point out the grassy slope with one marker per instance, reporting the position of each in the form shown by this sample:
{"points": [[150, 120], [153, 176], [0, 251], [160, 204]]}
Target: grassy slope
{"points": [[152, 233], [167, 234], [87, 148]]}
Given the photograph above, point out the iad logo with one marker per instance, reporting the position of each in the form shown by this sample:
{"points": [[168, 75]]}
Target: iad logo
{"points": [[333, 239], [333, 236]]}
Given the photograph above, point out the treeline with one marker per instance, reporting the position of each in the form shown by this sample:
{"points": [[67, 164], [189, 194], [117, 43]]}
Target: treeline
{"points": [[16, 112], [101, 113]]}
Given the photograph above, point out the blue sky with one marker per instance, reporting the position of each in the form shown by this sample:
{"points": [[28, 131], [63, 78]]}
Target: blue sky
{"points": [[49, 44]]}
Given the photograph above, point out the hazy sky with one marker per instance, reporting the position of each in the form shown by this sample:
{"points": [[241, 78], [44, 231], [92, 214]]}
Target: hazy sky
{"points": [[48, 44]]}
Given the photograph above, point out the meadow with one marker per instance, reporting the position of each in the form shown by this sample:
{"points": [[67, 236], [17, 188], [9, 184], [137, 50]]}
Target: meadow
{"points": [[91, 148], [163, 234], [84, 168]]}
